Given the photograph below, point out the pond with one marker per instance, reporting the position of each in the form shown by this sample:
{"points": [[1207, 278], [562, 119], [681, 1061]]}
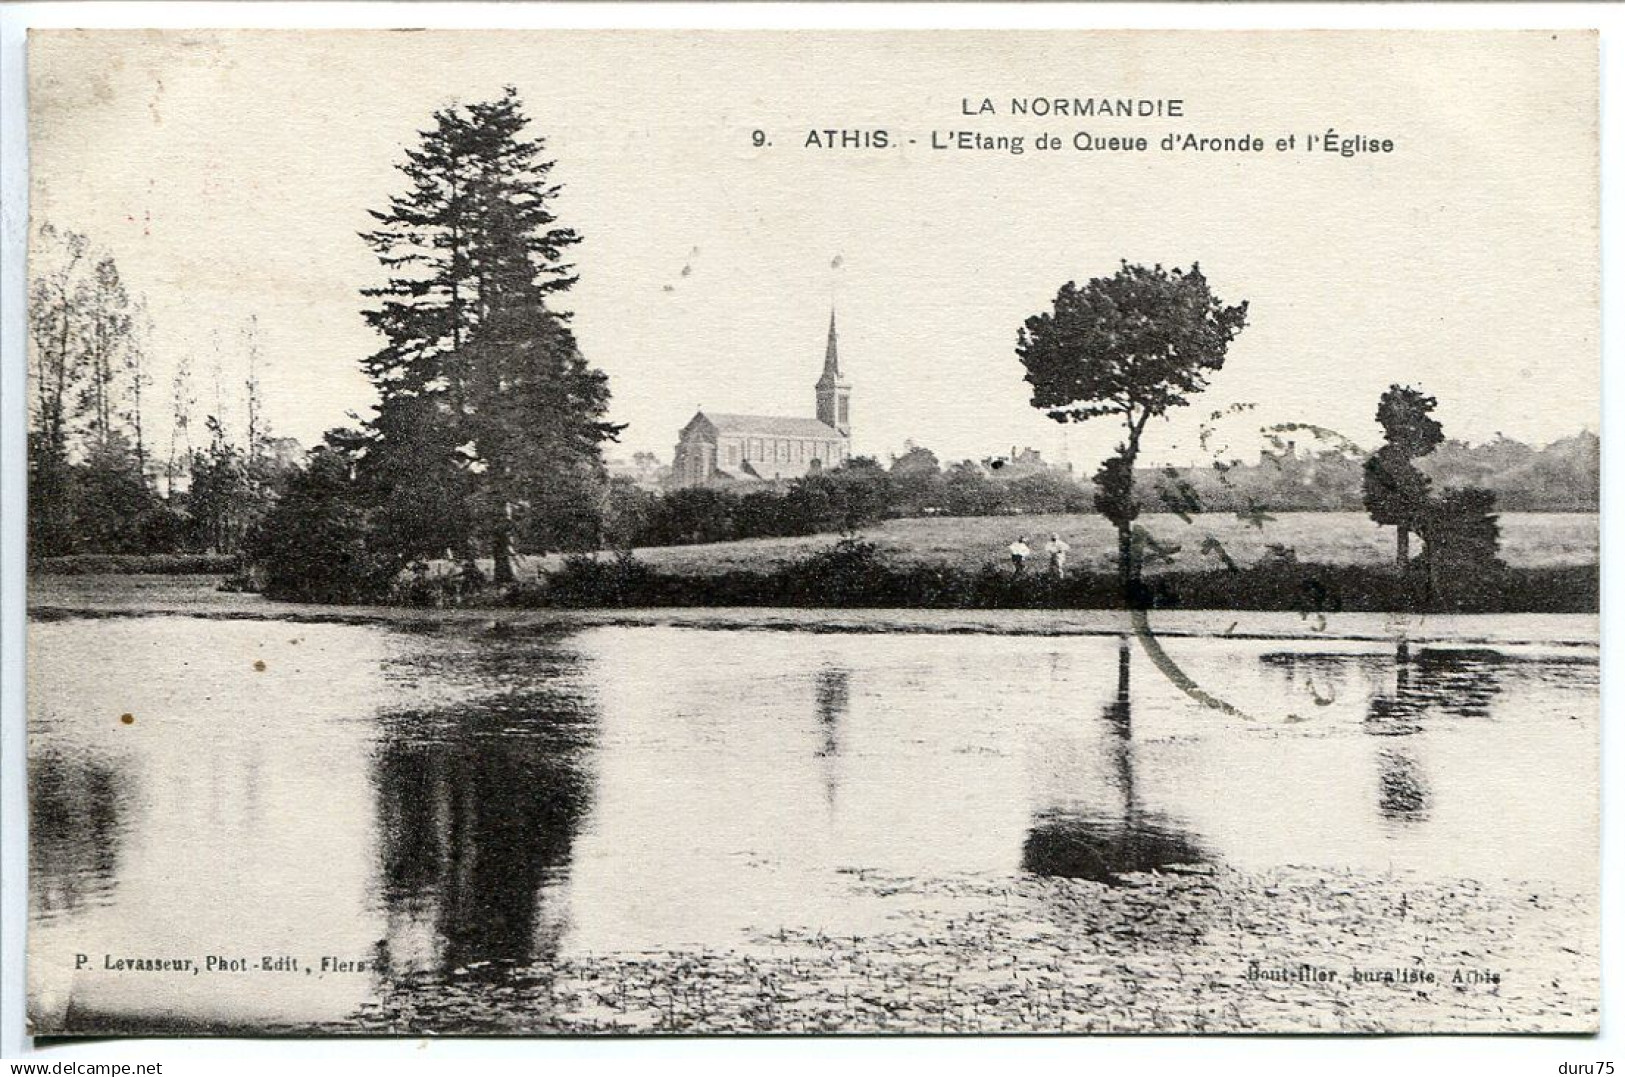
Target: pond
{"points": [[340, 805]]}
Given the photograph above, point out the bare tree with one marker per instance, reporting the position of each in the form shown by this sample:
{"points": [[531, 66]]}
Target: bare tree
{"points": [[184, 403], [254, 405], [135, 368], [104, 305], [56, 359]]}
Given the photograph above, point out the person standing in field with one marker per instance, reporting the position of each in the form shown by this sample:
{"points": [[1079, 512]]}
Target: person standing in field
{"points": [[1057, 548], [1019, 552]]}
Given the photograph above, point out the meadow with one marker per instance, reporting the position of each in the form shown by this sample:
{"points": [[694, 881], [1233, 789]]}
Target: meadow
{"points": [[1528, 540]]}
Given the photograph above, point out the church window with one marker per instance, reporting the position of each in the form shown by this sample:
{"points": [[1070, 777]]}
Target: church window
{"points": [[733, 453]]}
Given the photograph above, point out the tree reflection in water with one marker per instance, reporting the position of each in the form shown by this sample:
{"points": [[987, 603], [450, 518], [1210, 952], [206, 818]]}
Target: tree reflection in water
{"points": [[1102, 844], [1435, 682], [832, 697], [1427, 684], [1404, 795], [478, 811], [76, 812], [1455, 683]]}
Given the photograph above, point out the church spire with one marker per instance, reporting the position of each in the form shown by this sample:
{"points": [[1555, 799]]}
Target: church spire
{"points": [[832, 359], [833, 393]]}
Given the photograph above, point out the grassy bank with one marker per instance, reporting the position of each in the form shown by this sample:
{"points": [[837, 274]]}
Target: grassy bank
{"points": [[1528, 540]]}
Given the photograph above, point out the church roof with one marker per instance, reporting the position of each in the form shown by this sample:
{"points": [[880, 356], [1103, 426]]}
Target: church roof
{"points": [[782, 426]]}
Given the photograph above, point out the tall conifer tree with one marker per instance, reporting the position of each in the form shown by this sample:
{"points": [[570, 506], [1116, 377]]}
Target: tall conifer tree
{"points": [[490, 422]]}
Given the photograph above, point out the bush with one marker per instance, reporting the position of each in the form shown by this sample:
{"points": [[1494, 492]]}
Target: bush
{"points": [[316, 544], [852, 574]]}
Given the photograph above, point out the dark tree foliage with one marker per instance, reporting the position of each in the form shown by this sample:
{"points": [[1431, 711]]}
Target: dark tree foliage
{"points": [[1114, 491], [1129, 346], [1462, 537], [317, 544], [1395, 492], [627, 512], [916, 483], [101, 505], [490, 420]]}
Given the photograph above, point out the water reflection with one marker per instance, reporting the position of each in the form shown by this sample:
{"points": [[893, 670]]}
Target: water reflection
{"points": [[476, 827], [76, 810], [832, 698], [1095, 842], [1447, 683], [450, 801], [1402, 692], [1404, 795]]}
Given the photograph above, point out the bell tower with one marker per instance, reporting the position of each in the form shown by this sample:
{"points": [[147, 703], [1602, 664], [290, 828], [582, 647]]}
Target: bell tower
{"points": [[833, 391]]}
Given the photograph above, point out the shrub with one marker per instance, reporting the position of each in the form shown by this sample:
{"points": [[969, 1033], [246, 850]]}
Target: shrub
{"points": [[852, 573], [314, 546]]}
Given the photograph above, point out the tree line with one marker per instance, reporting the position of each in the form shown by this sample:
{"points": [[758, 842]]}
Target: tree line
{"points": [[97, 482]]}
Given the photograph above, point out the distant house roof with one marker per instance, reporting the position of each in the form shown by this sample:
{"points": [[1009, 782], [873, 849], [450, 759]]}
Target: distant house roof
{"points": [[771, 426]]}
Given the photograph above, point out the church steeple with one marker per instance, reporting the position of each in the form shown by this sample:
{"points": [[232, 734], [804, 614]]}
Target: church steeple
{"points": [[832, 358], [833, 393]]}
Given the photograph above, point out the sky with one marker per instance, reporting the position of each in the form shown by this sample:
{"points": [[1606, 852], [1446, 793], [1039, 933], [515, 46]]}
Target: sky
{"points": [[229, 173]]}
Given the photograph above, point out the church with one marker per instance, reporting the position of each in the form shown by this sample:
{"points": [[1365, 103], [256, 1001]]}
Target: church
{"points": [[717, 449]]}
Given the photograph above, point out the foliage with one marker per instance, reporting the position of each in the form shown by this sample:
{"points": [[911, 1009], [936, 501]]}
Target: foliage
{"points": [[490, 420], [1130, 346], [92, 486], [1395, 491], [853, 573], [318, 543], [137, 564], [1461, 532], [101, 505], [1463, 542], [1114, 490]]}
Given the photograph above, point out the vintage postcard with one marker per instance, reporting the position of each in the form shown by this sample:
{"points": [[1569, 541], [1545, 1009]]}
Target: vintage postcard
{"points": [[657, 532]]}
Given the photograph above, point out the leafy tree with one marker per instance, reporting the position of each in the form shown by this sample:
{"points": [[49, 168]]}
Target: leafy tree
{"points": [[916, 481], [863, 492], [968, 490], [317, 543], [87, 470], [219, 500], [116, 511], [490, 421], [628, 510], [56, 335], [1462, 537], [1130, 346], [1395, 490]]}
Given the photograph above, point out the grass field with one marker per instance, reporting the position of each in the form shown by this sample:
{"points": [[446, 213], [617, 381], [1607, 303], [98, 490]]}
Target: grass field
{"points": [[1528, 540]]}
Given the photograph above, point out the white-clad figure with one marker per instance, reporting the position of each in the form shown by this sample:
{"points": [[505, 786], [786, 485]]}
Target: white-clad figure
{"points": [[1019, 552], [1057, 548]]}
